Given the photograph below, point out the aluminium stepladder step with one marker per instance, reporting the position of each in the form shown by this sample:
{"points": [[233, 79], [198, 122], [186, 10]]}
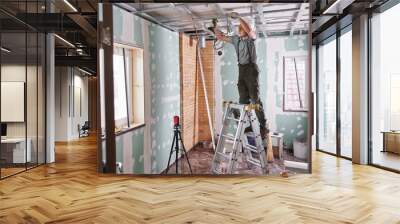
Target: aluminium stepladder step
{"points": [[230, 145]]}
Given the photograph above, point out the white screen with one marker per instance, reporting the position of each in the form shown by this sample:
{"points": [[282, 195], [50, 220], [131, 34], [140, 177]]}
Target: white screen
{"points": [[12, 101]]}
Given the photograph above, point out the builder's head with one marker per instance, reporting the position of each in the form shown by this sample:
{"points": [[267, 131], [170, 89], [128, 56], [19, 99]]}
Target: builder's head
{"points": [[242, 33]]}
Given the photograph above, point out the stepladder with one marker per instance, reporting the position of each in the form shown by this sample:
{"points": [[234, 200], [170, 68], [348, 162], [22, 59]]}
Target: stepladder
{"points": [[239, 137]]}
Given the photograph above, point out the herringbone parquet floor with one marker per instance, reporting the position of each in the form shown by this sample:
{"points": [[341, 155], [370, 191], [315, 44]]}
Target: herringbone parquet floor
{"points": [[70, 191]]}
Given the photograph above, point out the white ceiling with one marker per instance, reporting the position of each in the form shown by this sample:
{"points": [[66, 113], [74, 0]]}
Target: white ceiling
{"points": [[268, 18]]}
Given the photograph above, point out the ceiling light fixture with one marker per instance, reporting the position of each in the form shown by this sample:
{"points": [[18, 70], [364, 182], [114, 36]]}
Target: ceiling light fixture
{"points": [[70, 5], [5, 50], [84, 71], [337, 7], [326, 11], [65, 41]]}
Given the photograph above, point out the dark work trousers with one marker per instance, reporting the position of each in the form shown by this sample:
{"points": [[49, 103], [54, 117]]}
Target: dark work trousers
{"points": [[249, 90]]}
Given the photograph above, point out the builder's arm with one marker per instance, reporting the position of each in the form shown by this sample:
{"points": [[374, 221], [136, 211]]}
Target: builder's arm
{"points": [[221, 36], [246, 27]]}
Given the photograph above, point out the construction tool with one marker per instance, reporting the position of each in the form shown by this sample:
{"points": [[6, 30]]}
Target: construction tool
{"points": [[233, 140], [218, 45], [203, 81], [177, 140]]}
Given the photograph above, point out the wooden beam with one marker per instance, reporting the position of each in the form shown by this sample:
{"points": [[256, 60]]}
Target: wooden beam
{"points": [[105, 42]]}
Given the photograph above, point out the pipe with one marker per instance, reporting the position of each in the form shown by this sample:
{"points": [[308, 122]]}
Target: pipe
{"points": [[202, 41], [205, 94]]}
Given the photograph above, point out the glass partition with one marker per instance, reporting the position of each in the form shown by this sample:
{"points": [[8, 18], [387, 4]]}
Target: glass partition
{"points": [[15, 151], [22, 88], [327, 96], [346, 93], [385, 90]]}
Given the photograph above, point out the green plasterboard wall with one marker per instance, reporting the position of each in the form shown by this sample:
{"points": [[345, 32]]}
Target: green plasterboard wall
{"points": [[127, 28], [131, 145], [165, 92], [163, 50]]}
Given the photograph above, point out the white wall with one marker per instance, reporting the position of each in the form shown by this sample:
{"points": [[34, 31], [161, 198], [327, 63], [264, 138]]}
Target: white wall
{"points": [[33, 125], [12, 73], [70, 83], [16, 73]]}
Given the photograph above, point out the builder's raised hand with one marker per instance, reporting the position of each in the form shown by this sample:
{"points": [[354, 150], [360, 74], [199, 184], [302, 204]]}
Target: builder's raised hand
{"points": [[234, 15]]}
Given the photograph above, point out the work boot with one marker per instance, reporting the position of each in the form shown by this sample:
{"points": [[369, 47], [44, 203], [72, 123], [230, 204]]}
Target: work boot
{"points": [[248, 129], [236, 113]]}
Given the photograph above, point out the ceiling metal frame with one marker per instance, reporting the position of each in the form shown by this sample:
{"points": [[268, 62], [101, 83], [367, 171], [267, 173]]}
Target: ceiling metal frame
{"points": [[269, 18]]}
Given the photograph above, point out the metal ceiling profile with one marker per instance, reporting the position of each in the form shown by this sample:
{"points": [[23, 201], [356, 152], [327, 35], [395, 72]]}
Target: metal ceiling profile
{"points": [[195, 18]]}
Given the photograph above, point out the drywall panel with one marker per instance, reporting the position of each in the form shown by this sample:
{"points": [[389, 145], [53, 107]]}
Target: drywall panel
{"points": [[129, 148], [161, 53], [165, 92], [127, 28]]}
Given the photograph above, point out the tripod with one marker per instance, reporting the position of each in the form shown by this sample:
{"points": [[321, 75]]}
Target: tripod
{"points": [[175, 143]]}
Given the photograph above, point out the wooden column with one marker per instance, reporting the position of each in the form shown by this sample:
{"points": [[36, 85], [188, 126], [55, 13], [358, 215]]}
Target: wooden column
{"points": [[360, 90], [105, 66], [92, 99]]}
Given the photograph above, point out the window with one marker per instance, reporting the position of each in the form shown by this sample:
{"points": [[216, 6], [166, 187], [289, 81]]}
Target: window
{"points": [[120, 98], [385, 89], [327, 96], [294, 73], [128, 87], [136, 80], [394, 102], [346, 109]]}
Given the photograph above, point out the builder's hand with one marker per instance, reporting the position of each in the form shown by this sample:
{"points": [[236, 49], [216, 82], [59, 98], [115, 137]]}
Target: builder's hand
{"points": [[234, 15]]}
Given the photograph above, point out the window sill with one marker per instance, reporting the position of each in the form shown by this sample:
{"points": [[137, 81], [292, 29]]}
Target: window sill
{"points": [[129, 129], [298, 111]]}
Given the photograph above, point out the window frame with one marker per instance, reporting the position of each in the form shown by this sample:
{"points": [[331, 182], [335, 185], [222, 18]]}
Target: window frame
{"points": [[336, 36], [128, 88], [122, 122], [305, 104]]}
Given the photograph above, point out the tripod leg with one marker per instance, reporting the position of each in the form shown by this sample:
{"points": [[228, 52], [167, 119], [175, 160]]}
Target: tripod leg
{"points": [[176, 150], [170, 154], [184, 150]]}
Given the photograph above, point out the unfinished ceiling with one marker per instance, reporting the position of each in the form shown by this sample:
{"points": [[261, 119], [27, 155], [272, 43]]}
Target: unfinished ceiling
{"points": [[269, 19]]}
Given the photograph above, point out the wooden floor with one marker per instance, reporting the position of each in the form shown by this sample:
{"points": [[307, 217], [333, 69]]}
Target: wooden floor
{"points": [[386, 159], [5, 172], [71, 191]]}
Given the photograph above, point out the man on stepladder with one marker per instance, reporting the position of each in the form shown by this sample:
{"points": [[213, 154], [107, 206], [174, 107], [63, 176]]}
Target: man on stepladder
{"points": [[248, 85]]}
